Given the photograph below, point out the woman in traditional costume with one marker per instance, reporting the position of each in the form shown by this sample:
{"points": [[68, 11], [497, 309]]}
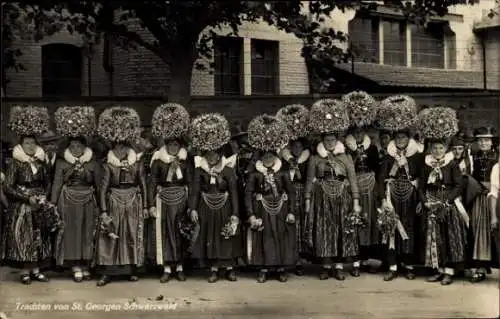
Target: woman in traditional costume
{"points": [[397, 180], [361, 108], [171, 174], [493, 196], [28, 236], [120, 247], [74, 191], [296, 157], [482, 246], [213, 200], [270, 201], [439, 187], [331, 191]]}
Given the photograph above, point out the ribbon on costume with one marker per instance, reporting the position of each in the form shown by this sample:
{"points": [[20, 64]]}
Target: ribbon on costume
{"points": [[399, 226]]}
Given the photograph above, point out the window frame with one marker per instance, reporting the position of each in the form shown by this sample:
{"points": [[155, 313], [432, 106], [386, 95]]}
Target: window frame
{"points": [[220, 74], [270, 74]]}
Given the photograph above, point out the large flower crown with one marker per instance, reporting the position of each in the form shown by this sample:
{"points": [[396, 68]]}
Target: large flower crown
{"points": [[396, 113], [209, 132], [75, 121], [268, 133], [361, 108], [29, 120], [328, 116], [438, 122], [119, 124], [170, 121], [296, 118]]}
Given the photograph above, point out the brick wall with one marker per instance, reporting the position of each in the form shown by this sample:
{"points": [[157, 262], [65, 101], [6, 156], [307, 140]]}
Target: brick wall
{"points": [[492, 47], [480, 108]]}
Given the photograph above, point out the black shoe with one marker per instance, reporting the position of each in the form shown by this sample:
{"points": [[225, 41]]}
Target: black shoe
{"points": [[355, 272], [262, 278], [25, 279], [165, 277], [231, 275], [282, 276], [478, 277], [133, 278], [447, 280], [324, 274], [40, 277], [299, 271], [390, 276], [410, 274], [339, 274], [214, 277], [435, 278], [103, 281], [87, 276], [181, 276], [77, 276]]}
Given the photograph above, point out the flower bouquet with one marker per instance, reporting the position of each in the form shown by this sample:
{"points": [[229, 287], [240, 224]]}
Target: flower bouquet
{"points": [[230, 228], [438, 211], [52, 218], [352, 222], [188, 229], [108, 226]]}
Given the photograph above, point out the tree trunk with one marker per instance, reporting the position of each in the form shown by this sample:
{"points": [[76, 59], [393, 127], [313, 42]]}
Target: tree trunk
{"points": [[181, 70]]}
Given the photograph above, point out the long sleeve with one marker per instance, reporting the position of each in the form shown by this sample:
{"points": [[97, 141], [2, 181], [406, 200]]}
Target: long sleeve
{"points": [[422, 182], [290, 189], [233, 191], [382, 175], [11, 183], [105, 180], [249, 190], [48, 176], [194, 193], [373, 159], [456, 182], [494, 182], [143, 184], [351, 176], [58, 182], [153, 183], [311, 174]]}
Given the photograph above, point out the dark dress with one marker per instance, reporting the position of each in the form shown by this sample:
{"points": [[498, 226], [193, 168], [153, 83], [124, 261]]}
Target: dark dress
{"points": [[401, 183], [214, 195], [270, 196], [332, 186], [482, 249], [123, 196], [74, 191], [28, 237], [366, 164], [298, 176], [168, 192], [444, 228]]}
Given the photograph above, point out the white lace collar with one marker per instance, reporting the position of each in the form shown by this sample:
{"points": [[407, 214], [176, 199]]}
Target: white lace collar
{"points": [[19, 154], [201, 162], [351, 143], [323, 153], [167, 158], [129, 161], [259, 166], [431, 161], [413, 148], [85, 158]]}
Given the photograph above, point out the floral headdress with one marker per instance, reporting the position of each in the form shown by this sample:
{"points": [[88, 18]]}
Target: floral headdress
{"points": [[75, 121], [119, 124], [170, 121], [361, 108], [396, 113], [296, 118], [29, 120], [438, 123], [328, 116], [268, 133], [209, 132]]}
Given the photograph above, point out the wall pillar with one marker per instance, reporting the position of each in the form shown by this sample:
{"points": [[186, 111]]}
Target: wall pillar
{"points": [[247, 66]]}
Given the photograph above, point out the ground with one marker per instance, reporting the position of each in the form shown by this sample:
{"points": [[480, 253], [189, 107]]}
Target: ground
{"points": [[301, 297]]}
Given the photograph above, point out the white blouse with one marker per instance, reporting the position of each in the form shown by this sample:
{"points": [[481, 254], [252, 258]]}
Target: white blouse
{"points": [[494, 181]]}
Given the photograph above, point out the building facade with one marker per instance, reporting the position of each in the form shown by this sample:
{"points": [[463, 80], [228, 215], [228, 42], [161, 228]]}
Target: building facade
{"points": [[452, 52]]}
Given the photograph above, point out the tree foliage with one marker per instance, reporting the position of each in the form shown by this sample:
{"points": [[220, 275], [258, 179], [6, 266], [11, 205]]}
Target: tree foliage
{"points": [[183, 31]]}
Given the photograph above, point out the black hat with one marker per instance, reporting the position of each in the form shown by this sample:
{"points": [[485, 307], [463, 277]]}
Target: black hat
{"points": [[485, 132], [237, 131], [48, 137], [457, 141]]}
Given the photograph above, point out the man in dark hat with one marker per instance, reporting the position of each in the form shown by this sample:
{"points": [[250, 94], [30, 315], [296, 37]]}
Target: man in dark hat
{"points": [[50, 143]]}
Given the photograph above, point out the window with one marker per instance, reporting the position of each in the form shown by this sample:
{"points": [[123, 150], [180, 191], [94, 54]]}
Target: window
{"points": [[427, 46], [265, 67], [364, 39], [61, 70], [228, 67], [394, 43]]}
